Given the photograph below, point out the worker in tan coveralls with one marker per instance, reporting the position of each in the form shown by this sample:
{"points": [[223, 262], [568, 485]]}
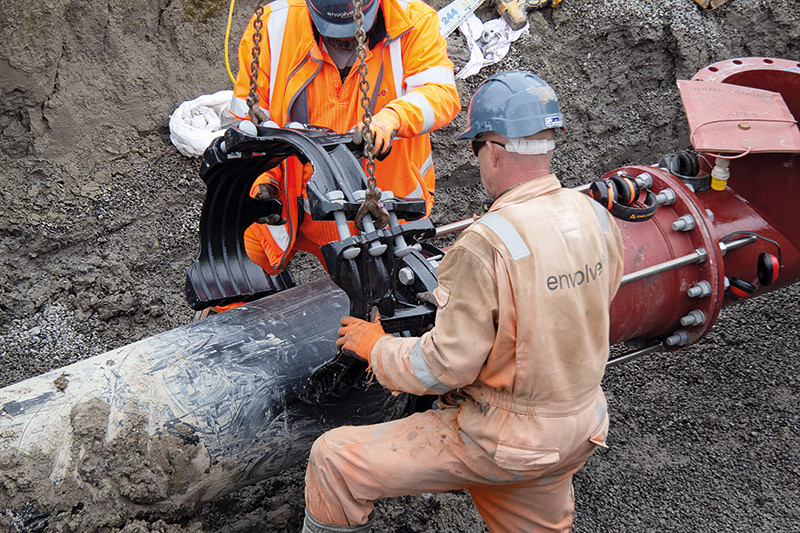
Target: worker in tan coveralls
{"points": [[517, 353]]}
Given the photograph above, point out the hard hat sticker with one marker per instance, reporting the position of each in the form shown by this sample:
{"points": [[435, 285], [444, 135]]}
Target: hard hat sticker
{"points": [[553, 121]]}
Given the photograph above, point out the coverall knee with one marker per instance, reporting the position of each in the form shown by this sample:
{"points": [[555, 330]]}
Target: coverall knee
{"points": [[351, 467]]}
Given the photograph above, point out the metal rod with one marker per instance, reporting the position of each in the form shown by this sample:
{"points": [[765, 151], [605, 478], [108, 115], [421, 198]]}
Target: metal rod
{"points": [[633, 355], [453, 227], [461, 225], [738, 243], [698, 256]]}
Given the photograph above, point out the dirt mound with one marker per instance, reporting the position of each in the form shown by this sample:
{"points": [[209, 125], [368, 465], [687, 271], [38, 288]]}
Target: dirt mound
{"points": [[100, 215]]}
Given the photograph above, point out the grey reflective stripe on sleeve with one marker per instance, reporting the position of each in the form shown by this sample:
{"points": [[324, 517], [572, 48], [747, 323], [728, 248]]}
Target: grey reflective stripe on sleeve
{"points": [[503, 229], [426, 165], [275, 30], [602, 215], [421, 102], [441, 75], [396, 55], [423, 373]]}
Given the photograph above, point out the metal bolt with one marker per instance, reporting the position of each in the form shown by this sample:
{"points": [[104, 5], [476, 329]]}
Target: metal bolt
{"points": [[341, 224], [644, 180], [401, 248], [679, 338], [666, 197], [684, 223], [700, 290], [710, 214], [695, 318], [376, 248], [335, 196], [248, 127], [406, 276]]}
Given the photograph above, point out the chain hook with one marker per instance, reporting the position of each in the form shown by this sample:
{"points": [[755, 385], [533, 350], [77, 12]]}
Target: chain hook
{"points": [[372, 200]]}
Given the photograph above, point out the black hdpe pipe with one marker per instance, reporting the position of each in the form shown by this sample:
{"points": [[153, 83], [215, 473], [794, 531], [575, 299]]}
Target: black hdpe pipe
{"points": [[178, 419]]}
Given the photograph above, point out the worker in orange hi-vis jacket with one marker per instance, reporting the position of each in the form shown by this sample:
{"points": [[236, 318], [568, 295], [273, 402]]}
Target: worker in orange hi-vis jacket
{"points": [[308, 73], [517, 352]]}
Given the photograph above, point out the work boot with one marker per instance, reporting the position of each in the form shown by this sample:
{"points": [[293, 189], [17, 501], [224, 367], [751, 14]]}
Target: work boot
{"points": [[312, 525]]}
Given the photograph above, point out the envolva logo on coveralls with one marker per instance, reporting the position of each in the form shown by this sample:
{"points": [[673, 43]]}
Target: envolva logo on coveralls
{"points": [[570, 280]]}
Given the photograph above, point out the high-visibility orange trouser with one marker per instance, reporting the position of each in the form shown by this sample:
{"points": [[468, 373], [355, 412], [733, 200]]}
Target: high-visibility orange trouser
{"points": [[350, 467], [311, 236]]}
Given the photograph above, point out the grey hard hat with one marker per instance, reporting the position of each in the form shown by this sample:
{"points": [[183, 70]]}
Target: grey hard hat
{"points": [[514, 104], [335, 18]]}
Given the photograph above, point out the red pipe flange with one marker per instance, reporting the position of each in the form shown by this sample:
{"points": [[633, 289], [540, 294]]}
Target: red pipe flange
{"points": [[667, 258]]}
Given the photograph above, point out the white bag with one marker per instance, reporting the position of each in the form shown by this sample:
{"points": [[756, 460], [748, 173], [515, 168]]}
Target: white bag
{"points": [[196, 123]]}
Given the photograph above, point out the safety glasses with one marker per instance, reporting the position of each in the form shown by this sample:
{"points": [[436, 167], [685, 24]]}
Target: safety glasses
{"points": [[477, 145]]}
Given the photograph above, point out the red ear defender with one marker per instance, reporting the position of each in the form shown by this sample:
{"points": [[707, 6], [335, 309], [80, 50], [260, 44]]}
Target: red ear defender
{"points": [[739, 288], [768, 268]]}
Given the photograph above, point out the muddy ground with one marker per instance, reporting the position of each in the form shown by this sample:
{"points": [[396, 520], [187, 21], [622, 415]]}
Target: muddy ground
{"points": [[100, 213]]}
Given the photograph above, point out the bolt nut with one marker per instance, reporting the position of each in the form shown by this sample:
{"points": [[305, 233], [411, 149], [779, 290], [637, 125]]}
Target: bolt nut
{"points": [[679, 338], [644, 180], [247, 127], [666, 197], [684, 223], [335, 196], [699, 290], [406, 276], [694, 318]]}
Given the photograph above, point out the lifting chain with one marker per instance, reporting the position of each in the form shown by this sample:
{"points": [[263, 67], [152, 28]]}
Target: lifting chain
{"points": [[257, 114], [363, 86], [372, 200]]}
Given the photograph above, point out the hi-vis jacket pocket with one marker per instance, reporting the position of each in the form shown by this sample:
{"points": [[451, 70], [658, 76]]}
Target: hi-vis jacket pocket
{"points": [[514, 457]]}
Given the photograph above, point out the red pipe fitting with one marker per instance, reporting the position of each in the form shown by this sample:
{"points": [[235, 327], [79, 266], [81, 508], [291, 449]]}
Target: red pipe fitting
{"points": [[676, 264]]}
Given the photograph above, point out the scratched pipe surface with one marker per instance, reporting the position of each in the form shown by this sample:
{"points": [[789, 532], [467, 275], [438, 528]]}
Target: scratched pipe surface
{"points": [[225, 386]]}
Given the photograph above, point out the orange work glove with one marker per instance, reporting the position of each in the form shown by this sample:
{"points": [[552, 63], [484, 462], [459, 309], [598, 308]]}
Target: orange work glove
{"points": [[384, 125], [357, 337]]}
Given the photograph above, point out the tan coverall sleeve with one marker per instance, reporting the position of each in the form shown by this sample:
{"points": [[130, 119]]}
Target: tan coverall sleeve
{"points": [[452, 353]]}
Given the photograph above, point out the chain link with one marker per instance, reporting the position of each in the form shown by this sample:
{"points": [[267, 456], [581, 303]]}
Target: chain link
{"points": [[363, 86], [257, 115]]}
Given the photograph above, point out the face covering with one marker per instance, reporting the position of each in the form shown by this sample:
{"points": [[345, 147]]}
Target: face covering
{"points": [[342, 51]]}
